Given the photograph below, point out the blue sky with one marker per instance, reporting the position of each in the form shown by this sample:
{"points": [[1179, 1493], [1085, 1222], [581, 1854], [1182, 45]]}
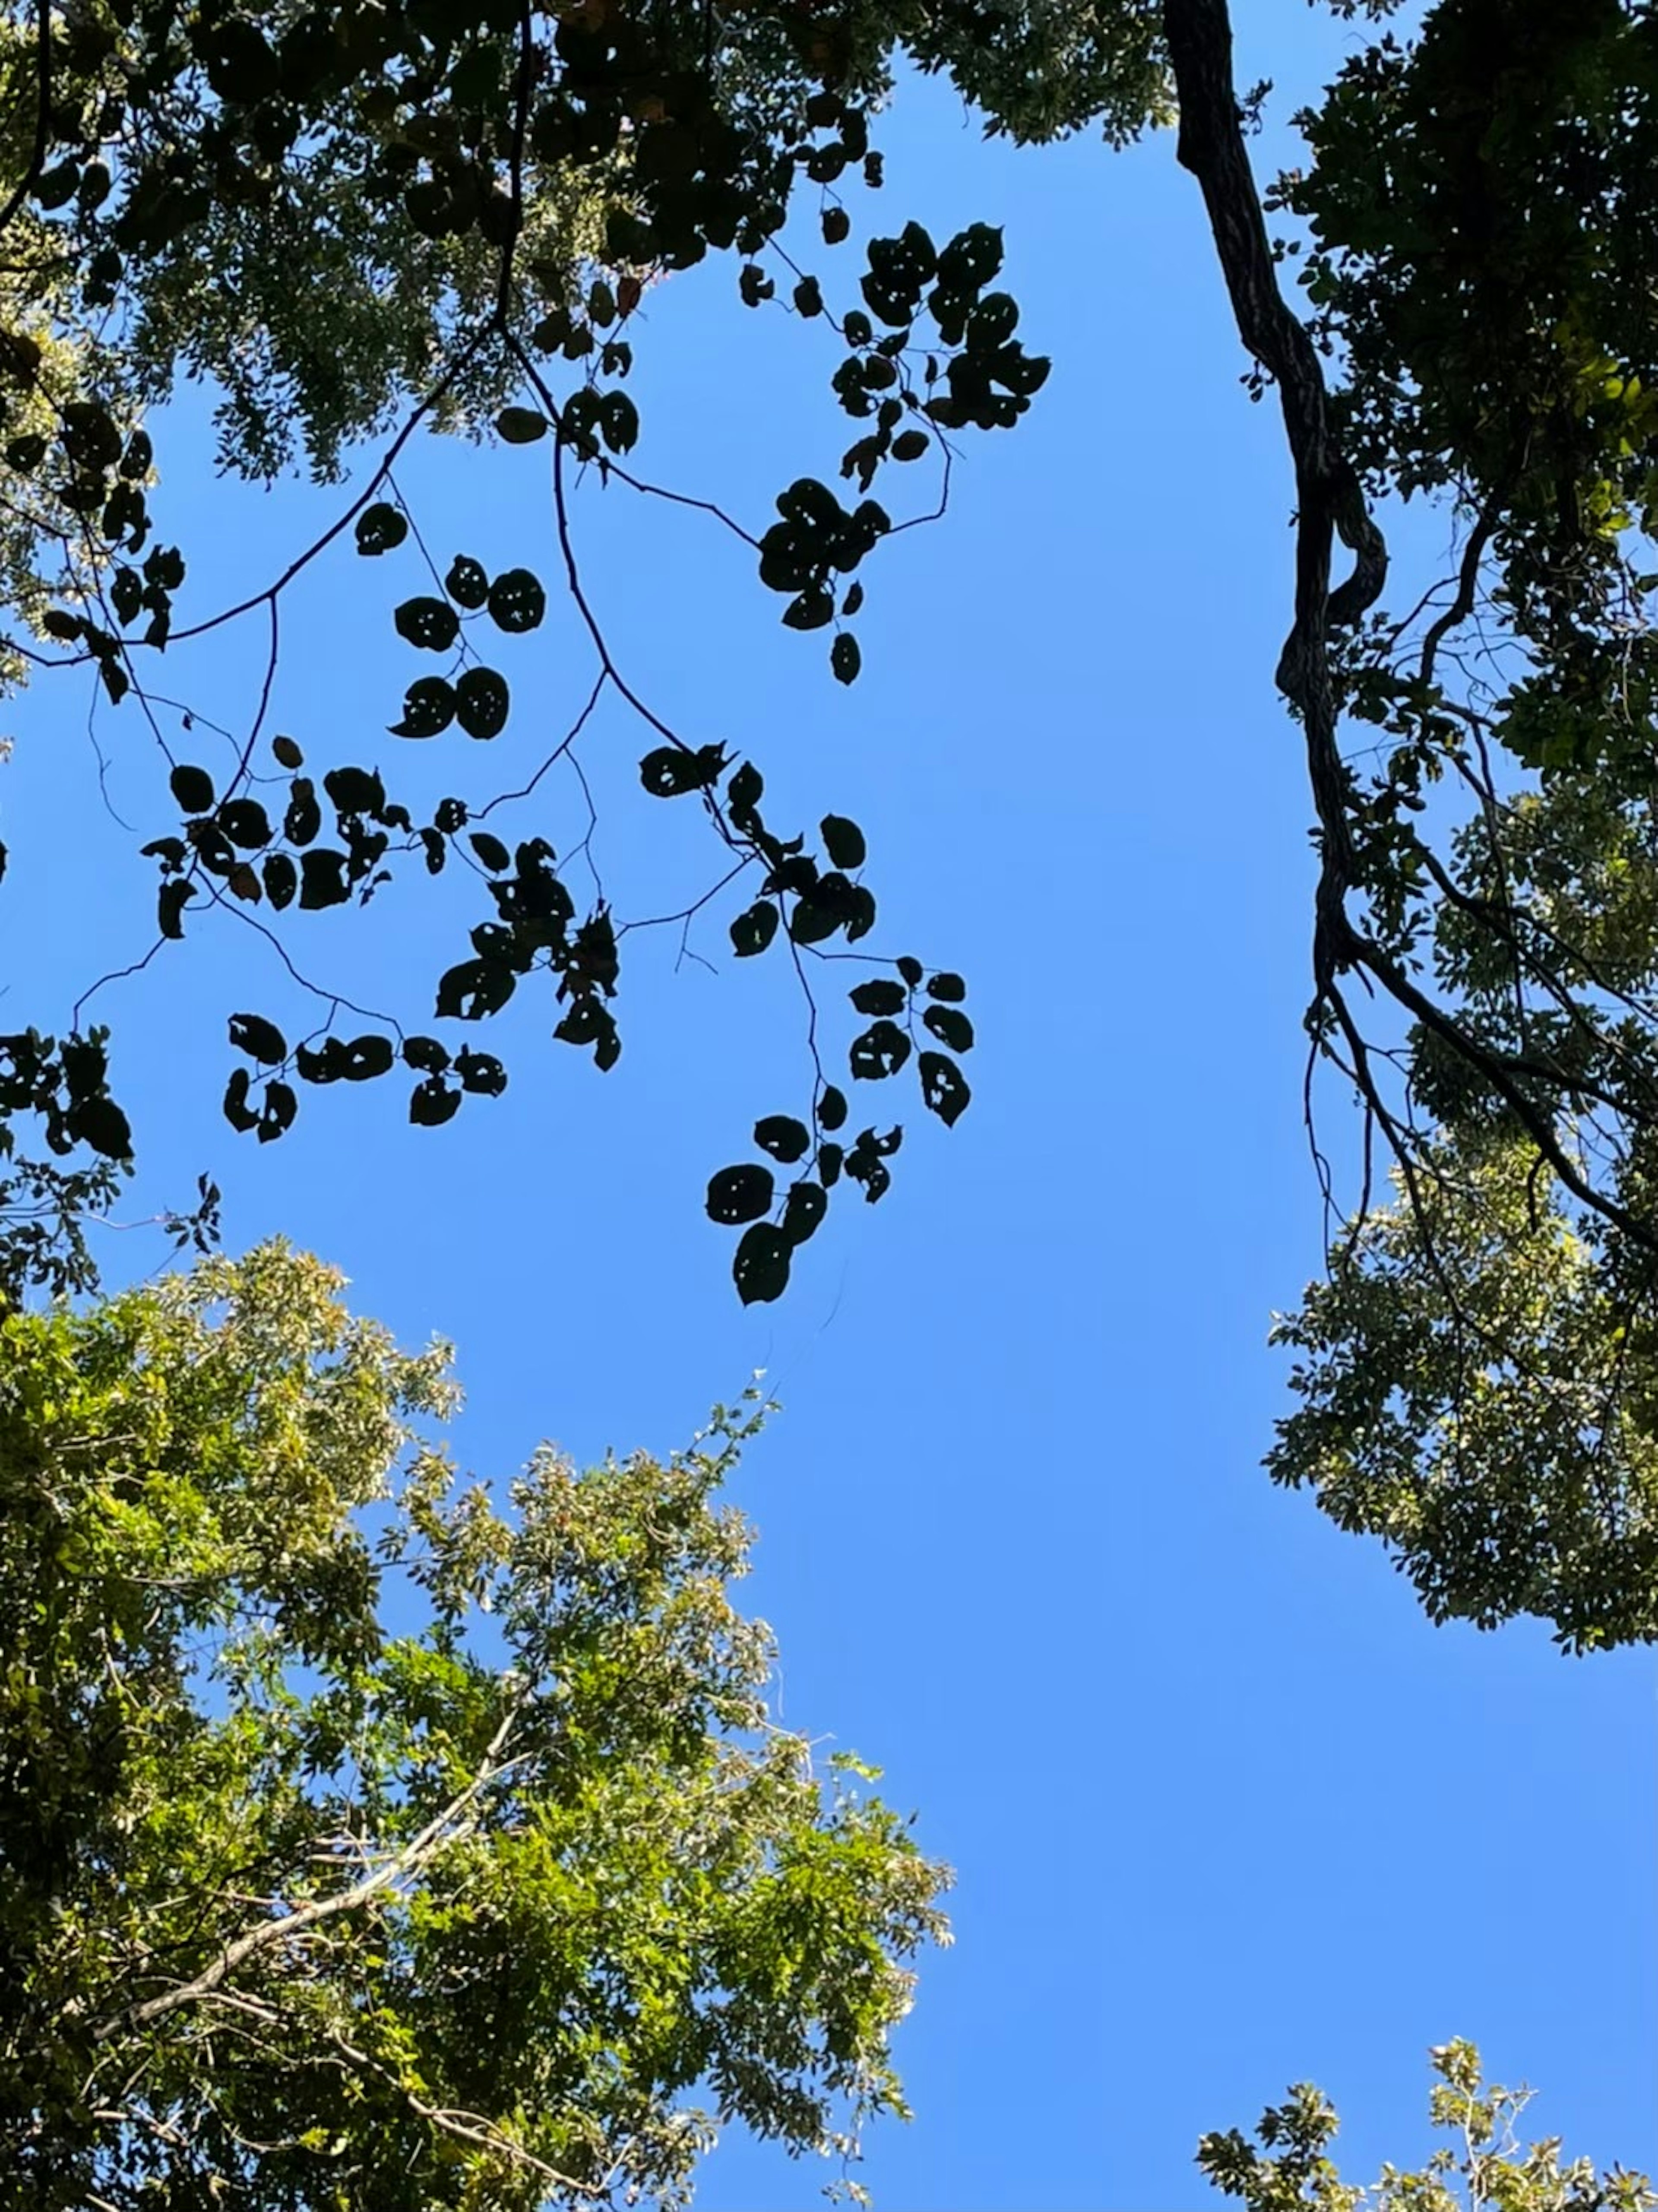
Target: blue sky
{"points": [[1226, 1811]]}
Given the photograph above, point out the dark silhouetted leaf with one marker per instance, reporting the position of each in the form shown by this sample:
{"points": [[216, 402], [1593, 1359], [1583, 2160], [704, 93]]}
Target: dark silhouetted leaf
{"points": [[843, 841], [237, 1111], [466, 582], [878, 996], [428, 707], [282, 880], [754, 929], [481, 1073], [517, 601], [946, 986], [806, 1205], [520, 426], [426, 1054], [846, 658], [260, 1039], [288, 752], [366, 1057], [943, 1086], [831, 1107], [322, 880], [433, 1103], [951, 1027], [490, 850], [379, 527], [783, 1137], [244, 823], [171, 903], [430, 623], [881, 1051], [480, 702], [740, 1193], [193, 787], [760, 1268]]}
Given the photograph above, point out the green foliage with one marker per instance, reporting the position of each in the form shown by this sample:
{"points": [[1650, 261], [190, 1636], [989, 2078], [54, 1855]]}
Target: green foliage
{"points": [[481, 1912], [1487, 2165]]}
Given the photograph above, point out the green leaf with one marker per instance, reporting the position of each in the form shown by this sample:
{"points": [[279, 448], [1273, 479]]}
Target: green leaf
{"points": [[517, 601], [430, 623], [482, 702], [783, 1137], [760, 1268], [740, 1193], [379, 527], [260, 1039]]}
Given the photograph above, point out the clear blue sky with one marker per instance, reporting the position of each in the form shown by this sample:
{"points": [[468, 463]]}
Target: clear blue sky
{"points": [[1226, 1811]]}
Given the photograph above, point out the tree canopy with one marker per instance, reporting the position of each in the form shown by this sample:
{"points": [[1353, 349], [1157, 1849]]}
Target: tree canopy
{"points": [[1486, 2164], [515, 1902], [1447, 301]]}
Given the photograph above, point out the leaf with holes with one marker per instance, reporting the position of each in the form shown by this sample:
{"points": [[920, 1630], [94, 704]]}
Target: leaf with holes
{"points": [[431, 624], [426, 1054], [670, 771], [244, 823], [379, 527], [881, 1051], [517, 602], [281, 880], [760, 1268], [481, 701], [473, 988], [428, 705], [783, 1137], [366, 1057], [280, 1107], [806, 1205], [260, 1039], [433, 1103], [322, 880], [754, 929], [237, 1111], [466, 583], [480, 1073], [943, 1087], [740, 1193], [950, 1026]]}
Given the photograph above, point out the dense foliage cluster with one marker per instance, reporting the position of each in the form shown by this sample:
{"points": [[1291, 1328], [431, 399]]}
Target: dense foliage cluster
{"points": [[515, 1904]]}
